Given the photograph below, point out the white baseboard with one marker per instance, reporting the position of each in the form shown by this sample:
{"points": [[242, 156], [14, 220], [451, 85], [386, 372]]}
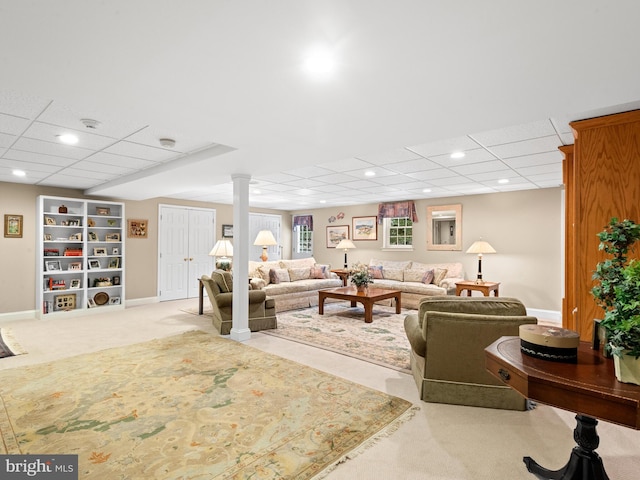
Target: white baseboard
{"points": [[26, 315], [141, 301], [550, 315]]}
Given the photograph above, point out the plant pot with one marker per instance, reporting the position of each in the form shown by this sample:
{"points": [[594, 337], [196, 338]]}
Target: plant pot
{"points": [[627, 368], [361, 288]]}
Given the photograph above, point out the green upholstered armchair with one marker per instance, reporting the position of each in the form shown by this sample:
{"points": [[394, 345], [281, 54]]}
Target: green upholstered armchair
{"points": [[448, 336], [219, 287]]}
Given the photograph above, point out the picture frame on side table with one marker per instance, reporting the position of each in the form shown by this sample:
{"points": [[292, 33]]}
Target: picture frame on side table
{"points": [[365, 228], [335, 234], [13, 226]]}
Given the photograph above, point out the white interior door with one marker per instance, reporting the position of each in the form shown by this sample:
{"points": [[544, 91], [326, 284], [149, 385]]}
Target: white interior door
{"points": [[186, 236], [264, 221]]}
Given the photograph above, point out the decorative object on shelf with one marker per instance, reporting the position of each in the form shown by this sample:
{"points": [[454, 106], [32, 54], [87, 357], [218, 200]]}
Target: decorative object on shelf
{"points": [[52, 265], [617, 291], [115, 251], [114, 263], [103, 211], [64, 302], [222, 249], [365, 228], [72, 252], [116, 280], [265, 239], [75, 283], [62, 209], [227, 231], [91, 222], [137, 228], [13, 226], [480, 247], [345, 245], [101, 298], [102, 282], [94, 264], [93, 237], [75, 266], [335, 234], [111, 222], [76, 236], [114, 301], [100, 251], [112, 237], [49, 221], [51, 252], [360, 276]]}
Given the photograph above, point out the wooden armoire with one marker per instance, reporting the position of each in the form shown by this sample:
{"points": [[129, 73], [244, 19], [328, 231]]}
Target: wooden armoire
{"points": [[601, 173]]}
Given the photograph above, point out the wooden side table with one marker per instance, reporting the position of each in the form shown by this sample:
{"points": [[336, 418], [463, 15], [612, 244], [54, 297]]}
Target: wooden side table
{"points": [[486, 288], [343, 274]]}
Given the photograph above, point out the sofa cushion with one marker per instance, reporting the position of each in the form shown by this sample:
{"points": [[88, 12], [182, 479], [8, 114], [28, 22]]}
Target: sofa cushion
{"points": [[223, 279], [296, 274], [279, 275], [391, 264], [422, 276], [310, 285], [393, 274], [261, 269], [298, 263]]}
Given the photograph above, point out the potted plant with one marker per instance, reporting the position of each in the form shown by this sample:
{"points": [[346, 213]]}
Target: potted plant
{"points": [[360, 276], [617, 291]]}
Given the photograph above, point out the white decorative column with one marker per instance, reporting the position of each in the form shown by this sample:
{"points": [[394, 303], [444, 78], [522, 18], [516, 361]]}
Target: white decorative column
{"points": [[240, 326]]}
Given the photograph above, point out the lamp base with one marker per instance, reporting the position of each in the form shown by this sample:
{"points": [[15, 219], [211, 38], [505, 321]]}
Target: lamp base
{"points": [[264, 257]]}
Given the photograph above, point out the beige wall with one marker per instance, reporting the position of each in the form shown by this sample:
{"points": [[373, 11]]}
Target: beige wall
{"points": [[17, 283], [524, 227]]}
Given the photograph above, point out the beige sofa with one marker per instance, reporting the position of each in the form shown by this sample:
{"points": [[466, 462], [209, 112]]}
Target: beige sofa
{"points": [[448, 336], [292, 283], [414, 280]]}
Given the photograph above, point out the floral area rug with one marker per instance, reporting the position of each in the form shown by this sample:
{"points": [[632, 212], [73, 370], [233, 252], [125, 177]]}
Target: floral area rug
{"points": [[342, 329], [192, 406], [9, 347]]}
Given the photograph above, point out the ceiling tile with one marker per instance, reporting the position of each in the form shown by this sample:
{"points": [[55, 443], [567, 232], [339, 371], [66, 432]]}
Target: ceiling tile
{"points": [[136, 150], [49, 133], [471, 156], [21, 105], [12, 125], [50, 148], [471, 168], [445, 147], [390, 156], [413, 166], [345, 165], [7, 140], [527, 147], [516, 133], [120, 161], [38, 158], [554, 157]]}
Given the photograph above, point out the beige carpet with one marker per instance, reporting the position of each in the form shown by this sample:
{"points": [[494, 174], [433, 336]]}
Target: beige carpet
{"points": [[191, 406], [441, 442]]}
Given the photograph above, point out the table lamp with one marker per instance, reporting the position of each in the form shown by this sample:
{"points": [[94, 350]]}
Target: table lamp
{"points": [[266, 239], [222, 249], [480, 247], [345, 244]]}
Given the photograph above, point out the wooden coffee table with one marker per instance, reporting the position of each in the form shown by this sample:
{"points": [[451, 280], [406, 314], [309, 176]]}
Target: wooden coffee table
{"points": [[366, 298]]}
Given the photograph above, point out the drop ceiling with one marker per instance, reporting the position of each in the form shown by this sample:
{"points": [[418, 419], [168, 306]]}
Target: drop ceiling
{"points": [[414, 82]]}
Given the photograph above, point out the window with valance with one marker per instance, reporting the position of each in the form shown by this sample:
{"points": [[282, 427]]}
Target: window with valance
{"points": [[396, 210]]}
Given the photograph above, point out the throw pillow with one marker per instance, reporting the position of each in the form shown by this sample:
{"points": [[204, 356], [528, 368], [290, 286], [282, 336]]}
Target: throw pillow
{"points": [[299, 273], [393, 274], [414, 275], [223, 279], [282, 274], [317, 271], [326, 269], [438, 275], [376, 272], [427, 278]]}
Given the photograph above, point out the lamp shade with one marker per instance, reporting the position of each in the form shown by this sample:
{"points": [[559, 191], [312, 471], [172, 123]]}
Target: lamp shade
{"points": [[345, 244], [222, 248], [481, 247], [265, 238]]}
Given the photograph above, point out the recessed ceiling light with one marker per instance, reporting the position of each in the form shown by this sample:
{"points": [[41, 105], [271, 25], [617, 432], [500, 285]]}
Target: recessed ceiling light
{"points": [[323, 201], [457, 155], [426, 190], [257, 192], [68, 138], [503, 180], [369, 173], [19, 173], [319, 62]]}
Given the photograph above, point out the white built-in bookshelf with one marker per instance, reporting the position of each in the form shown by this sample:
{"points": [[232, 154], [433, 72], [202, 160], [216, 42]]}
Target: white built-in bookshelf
{"points": [[81, 256]]}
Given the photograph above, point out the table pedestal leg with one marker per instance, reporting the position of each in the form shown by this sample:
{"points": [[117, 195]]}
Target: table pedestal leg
{"points": [[584, 463]]}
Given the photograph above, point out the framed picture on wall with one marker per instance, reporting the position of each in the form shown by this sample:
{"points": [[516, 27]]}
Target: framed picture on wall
{"points": [[137, 228], [365, 228], [227, 231], [335, 233], [13, 226]]}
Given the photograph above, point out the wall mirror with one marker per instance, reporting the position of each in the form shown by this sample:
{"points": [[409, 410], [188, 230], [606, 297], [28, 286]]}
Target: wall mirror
{"points": [[444, 227]]}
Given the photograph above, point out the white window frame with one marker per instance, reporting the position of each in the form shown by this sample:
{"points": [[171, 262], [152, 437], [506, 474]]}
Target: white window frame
{"points": [[297, 251], [386, 235]]}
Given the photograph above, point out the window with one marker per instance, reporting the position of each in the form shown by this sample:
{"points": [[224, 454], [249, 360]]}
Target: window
{"points": [[398, 232], [302, 241]]}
